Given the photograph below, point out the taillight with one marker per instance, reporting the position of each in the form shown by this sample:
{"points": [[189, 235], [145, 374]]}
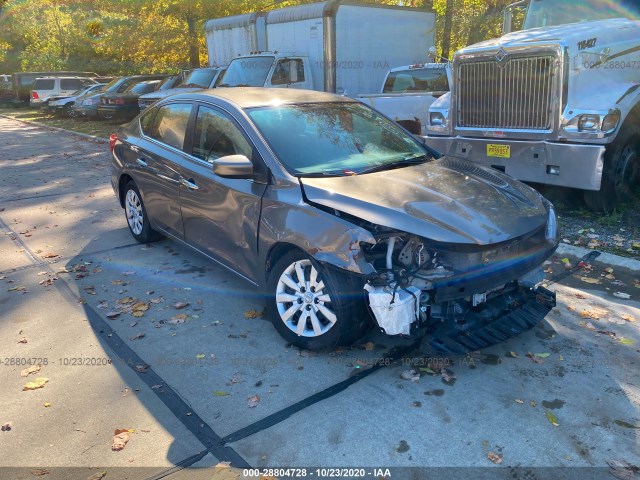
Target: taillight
{"points": [[119, 101], [34, 95], [113, 138]]}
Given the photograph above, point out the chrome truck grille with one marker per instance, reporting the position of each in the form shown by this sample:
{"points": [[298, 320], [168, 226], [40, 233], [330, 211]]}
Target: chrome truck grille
{"points": [[516, 93]]}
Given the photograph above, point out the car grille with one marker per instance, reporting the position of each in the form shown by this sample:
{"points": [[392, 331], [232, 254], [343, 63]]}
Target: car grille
{"points": [[516, 93]]}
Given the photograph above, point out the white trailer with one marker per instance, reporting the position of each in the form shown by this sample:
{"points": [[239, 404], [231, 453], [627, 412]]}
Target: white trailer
{"points": [[230, 37], [334, 46]]}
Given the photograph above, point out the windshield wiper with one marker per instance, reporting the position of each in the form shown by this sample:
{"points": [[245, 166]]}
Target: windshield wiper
{"points": [[326, 173], [405, 162]]}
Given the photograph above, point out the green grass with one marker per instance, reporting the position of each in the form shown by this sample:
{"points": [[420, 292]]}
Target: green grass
{"points": [[83, 125]]}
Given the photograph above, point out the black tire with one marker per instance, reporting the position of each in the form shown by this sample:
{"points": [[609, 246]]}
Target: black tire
{"points": [[347, 302], [67, 111], [136, 215], [621, 172]]}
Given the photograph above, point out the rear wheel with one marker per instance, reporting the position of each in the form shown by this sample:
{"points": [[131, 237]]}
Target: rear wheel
{"points": [[314, 307], [621, 172], [136, 214]]}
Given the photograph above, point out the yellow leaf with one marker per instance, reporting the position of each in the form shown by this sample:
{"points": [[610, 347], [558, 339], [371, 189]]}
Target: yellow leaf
{"points": [[552, 418], [137, 313], [251, 314], [37, 383], [517, 400]]}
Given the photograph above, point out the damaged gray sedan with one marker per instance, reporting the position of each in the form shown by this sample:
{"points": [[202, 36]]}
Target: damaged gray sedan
{"points": [[341, 216]]}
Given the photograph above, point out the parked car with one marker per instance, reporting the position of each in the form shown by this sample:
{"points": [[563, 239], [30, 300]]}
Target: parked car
{"points": [[6, 91], [63, 105], [330, 206], [197, 79], [124, 106], [23, 81], [44, 88], [88, 105]]}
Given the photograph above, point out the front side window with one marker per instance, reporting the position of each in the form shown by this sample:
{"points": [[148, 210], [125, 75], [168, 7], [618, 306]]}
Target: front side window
{"points": [[170, 124], [216, 135], [288, 71], [342, 138]]}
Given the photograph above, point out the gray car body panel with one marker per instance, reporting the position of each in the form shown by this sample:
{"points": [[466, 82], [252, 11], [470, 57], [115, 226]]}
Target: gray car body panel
{"points": [[473, 211]]}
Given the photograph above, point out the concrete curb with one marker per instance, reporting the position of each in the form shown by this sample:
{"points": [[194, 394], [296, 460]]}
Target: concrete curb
{"points": [[72, 132], [607, 258]]}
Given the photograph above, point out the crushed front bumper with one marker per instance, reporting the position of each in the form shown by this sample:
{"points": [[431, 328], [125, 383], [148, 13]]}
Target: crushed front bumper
{"points": [[501, 318], [562, 164]]}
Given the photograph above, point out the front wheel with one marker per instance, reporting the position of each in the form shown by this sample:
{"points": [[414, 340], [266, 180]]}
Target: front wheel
{"points": [[136, 214], [313, 307], [621, 172]]}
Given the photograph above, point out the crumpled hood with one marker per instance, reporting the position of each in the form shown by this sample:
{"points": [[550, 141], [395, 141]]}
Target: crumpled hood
{"points": [[448, 200]]}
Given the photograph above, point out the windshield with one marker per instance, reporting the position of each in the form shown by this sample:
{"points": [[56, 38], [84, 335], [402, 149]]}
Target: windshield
{"points": [[199, 78], [333, 138], [417, 80], [247, 72], [542, 13]]}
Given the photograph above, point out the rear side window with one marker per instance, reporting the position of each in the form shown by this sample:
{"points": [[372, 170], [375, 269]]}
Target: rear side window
{"points": [[170, 124], [146, 121], [44, 84], [71, 84]]}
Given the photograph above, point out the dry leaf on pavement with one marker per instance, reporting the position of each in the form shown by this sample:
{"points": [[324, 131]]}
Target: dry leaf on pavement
{"points": [[251, 314], [120, 439], [6, 427], [495, 457], [37, 383], [32, 369], [179, 305], [137, 336], [97, 475], [410, 375], [552, 418], [253, 401]]}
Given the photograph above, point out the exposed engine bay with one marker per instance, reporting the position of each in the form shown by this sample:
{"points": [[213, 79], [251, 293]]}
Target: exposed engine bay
{"points": [[429, 286]]}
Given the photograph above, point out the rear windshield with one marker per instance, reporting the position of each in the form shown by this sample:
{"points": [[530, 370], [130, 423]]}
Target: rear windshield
{"points": [[417, 80], [44, 84], [144, 87]]}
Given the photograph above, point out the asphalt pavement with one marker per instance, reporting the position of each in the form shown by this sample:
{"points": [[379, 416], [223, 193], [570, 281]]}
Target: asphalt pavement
{"points": [[170, 351]]}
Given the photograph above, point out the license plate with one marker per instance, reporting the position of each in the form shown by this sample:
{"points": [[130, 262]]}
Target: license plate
{"points": [[501, 151]]}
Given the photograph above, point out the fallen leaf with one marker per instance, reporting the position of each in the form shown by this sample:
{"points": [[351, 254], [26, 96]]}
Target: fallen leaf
{"points": [[19, 288], [532, 403], [626, 296], [495, 457], [155, 387], [137, 336], [157, 300], [251, 314], [142, 368], [628, 318], [6, 427], [253, 401], [28, 371], [410, 375], [39, 472], [448, 377], [369, 346], [627, 341], [180, 316], [37, 383], [97, 475], [590, 280], [179, 305], [51, 255], [542, 355], [517, 400], [120, 439], [512, 354], [552, 418], [581, 296], [46, 404], [427, 370], [113, 315], [220, 393], [200, 355]]}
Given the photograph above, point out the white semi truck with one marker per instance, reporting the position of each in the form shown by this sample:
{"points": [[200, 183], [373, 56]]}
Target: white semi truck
{"points": [[556, 103], [334, 46]]}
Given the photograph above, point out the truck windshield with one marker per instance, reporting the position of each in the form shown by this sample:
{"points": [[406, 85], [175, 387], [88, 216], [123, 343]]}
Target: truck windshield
{"points": [[342, 138], [247, 72], [417, 80], [542, 13], [199, 78]]}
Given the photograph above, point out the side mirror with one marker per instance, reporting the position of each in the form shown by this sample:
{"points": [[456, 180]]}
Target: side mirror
{"points": [[233, 166]]}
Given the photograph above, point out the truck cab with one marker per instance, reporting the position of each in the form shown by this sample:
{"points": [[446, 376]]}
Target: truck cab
{"points": [[557, 103], [266, 69]]}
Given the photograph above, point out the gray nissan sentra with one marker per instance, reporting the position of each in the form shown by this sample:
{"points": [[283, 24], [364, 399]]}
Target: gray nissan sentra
{"points": [[343, 218]]}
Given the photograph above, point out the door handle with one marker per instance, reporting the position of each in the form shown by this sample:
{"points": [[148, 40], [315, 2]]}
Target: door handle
{"points": [[190, 184], [141, 162]]}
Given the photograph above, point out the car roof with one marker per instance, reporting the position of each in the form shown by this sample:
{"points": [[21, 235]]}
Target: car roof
{"points": [[249, 97]]}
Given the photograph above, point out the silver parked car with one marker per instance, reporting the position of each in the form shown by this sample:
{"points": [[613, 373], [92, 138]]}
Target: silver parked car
{"points": [[339, 214]]}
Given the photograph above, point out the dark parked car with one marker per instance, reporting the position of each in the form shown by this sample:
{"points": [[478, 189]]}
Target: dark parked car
{"points": [[331, 207], [88, 105], [124, 106], [197, 79]]}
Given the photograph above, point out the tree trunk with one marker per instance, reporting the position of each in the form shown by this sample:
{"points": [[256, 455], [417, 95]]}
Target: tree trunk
{"points": [[194, 50], [446, 31]]}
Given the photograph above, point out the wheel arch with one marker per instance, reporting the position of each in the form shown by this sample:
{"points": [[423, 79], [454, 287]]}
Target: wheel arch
{"points": [[122, 182]]}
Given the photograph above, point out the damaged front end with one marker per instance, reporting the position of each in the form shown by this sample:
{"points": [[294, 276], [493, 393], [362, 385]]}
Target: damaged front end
{"points": [[464, 297]]}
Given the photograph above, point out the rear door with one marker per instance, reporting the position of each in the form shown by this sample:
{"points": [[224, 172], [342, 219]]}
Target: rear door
{"points": [[156, 159], [221, 215]]}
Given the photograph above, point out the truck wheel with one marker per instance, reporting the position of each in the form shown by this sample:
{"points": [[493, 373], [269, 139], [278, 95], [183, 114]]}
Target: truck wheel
{"points": [[621, 172], [314, 307]]}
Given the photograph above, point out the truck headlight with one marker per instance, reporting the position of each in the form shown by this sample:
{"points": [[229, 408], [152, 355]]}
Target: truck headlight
{"points": [[437, 119], [588, 123]]}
